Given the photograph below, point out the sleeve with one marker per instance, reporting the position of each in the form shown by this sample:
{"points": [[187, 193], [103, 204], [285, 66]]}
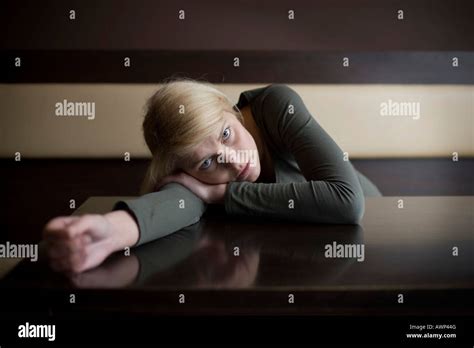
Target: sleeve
{"points": [[332, 192], [163, 212]]}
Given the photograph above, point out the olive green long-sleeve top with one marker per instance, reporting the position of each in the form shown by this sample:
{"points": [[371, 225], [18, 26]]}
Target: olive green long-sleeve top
{"points": [[314, 182]]}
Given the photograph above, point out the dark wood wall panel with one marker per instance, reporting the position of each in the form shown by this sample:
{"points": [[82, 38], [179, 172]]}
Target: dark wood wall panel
{"points": [[254, 67], [271, 48], [237, 25]]}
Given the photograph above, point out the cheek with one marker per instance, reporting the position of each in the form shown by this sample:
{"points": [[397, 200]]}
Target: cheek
{"points": [[246, 140], [251, 145]]}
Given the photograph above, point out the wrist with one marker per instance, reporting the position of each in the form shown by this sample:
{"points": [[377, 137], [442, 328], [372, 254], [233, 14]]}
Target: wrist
{"points": [[219, 194], [223, 192], [124, 230]]}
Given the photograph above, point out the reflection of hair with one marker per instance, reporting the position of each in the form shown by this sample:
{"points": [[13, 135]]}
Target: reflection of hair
{"points": [[179, 116]]}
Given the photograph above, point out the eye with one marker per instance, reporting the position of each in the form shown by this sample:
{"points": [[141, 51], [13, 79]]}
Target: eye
{"points": [[207, 163], [227, 133]]}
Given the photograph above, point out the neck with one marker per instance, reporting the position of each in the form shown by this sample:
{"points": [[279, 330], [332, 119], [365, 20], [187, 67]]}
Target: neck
{"points": [[266, 162], [252, 128]]}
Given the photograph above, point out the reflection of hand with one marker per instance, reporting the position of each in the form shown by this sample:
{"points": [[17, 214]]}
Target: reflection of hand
{"points": [[114, 273], [211, 194], [78, 243]]}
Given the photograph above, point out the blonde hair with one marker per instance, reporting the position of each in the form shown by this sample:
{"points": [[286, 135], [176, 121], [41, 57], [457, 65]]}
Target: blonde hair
{"points": [[179, 116]]}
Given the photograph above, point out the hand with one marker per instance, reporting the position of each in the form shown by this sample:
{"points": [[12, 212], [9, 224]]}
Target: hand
{"points": [[77, 243], [211, 194]]}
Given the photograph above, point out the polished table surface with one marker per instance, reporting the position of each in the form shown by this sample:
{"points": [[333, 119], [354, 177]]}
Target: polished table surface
{"points": [[235, 265]]}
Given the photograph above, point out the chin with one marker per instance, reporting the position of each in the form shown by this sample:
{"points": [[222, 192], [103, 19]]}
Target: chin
{"points": [[253, 176]]}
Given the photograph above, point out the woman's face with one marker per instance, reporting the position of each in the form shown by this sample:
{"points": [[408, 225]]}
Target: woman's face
{"points": [[221, 157]]}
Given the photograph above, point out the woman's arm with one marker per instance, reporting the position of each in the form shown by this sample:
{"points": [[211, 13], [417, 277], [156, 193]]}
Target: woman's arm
{"points": [[332, 193], [78, 243], [125, 229], [160, 213]]}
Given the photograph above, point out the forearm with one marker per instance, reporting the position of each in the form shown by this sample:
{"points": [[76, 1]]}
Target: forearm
{"points": [[160, 213], [312, 201], [125, 229]]}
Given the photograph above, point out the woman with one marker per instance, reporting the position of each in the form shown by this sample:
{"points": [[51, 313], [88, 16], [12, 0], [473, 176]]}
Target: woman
{"points": [[265, 157]]}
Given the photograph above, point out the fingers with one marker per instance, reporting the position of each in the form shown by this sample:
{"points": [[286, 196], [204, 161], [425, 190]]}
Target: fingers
{"points": [[71, 241], [56, 226], [68, 226], [94, 254], [80, 226], [72, 262], [83, 258], [200, 189], [57, 248]]}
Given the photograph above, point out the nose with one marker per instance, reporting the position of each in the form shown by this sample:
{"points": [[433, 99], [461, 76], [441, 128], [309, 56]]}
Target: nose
{"points": [[234, 166], [232, 161]]}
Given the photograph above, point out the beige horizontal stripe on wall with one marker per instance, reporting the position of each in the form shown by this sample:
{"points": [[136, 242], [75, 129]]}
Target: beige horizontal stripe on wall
{"points": [[351, 114]]}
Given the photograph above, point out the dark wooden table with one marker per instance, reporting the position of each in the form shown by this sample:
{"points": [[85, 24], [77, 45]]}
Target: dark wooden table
{"points": [[223, 265], [235, 265]]}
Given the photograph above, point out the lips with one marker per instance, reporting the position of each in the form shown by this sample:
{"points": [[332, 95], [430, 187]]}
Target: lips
{"points": [[244, 172]]}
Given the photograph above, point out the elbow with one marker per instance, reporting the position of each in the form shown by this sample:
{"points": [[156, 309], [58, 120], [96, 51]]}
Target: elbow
{"points": [[354, 209], [350, 203]]}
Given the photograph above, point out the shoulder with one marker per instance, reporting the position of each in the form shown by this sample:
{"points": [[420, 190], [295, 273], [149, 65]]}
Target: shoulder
{"points": [[277, 100], [266, 94], [278, 92], [280, 106]]}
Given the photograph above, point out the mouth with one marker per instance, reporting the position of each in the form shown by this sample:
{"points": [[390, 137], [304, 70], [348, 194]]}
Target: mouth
{"points": [[244, 172]]}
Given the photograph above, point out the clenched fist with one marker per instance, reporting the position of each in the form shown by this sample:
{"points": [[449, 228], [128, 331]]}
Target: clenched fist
{"points": [[77, 243]]}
